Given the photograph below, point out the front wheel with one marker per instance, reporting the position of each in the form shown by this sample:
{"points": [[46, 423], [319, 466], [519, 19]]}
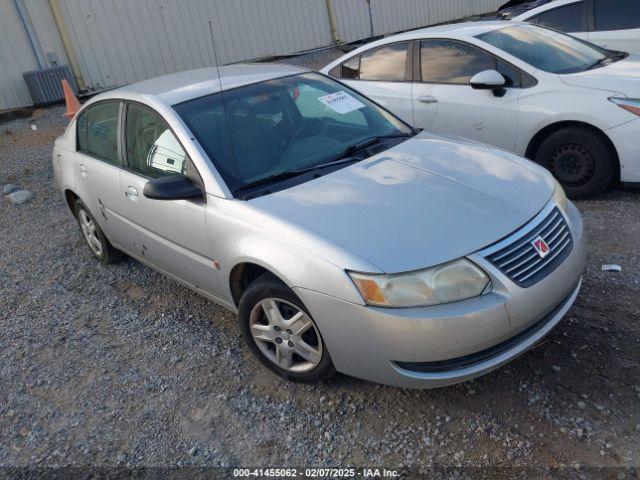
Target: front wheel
{"points": [[579, 159], [280, 331]]}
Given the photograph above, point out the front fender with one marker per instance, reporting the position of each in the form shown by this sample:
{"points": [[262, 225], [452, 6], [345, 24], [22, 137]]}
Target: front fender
{"points": [[239, 235]]}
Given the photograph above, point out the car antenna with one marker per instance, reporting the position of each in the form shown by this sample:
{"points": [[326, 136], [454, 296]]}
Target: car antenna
{"points": [[224, 105]]}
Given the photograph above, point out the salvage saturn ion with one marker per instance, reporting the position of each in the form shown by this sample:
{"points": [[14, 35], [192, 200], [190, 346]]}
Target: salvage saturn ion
{"points": [[344, 239]]}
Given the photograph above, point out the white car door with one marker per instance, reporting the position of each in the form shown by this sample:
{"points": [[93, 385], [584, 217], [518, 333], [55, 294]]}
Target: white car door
{"points": [[616, 25], [444, 101], [384, 75], [169, 234]]}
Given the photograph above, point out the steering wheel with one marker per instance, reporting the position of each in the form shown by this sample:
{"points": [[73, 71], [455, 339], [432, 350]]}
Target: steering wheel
{"points": [[313, 127]]}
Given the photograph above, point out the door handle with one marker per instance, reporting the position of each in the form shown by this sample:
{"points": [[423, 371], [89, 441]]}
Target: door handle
{"points": [[427, 99], [83, 169], [132, 193]]}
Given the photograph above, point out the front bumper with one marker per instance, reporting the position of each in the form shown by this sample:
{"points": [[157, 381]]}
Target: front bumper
{"points": [[446, 344]]}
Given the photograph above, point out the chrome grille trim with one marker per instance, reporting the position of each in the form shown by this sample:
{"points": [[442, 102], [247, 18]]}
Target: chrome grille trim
{"points": [[518, 260]]}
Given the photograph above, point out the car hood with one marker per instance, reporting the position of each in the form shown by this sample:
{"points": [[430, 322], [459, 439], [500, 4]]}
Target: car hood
{"points": [[426, 201], [622, 77]]}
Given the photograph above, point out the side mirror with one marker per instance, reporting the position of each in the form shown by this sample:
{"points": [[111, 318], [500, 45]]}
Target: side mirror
{"points": [[489, 80], [172, 187]]}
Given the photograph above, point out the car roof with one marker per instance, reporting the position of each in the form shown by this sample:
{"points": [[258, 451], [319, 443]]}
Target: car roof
{"points": [[543, 8], [451, 30], [182, 86], [465, 29]]}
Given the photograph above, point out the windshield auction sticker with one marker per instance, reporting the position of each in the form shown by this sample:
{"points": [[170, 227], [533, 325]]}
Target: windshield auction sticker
{"points": [[341, 102]]}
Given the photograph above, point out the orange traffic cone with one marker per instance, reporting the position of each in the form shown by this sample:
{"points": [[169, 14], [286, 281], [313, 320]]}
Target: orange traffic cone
{"points": [[73, 104]]}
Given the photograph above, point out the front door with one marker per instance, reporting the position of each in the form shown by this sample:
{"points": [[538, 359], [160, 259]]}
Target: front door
{"points": [[169, 234], [445, 103]]}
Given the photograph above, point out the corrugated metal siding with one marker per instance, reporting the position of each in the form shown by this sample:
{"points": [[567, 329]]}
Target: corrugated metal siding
{"points": [[352, 17], [390, 16], [121, 41], [46, 30], [16, 56]]}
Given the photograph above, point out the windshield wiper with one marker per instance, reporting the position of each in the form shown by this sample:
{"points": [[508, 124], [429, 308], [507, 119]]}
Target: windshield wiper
{"points": [[276, 177], [366, 143], [345, 156], [601, 62]]}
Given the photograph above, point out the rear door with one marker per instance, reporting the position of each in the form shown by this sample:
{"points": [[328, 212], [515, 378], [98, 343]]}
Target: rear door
{"points": [[616, 25], [170, 234], [97, 163], [384, 75], [444, 101]]}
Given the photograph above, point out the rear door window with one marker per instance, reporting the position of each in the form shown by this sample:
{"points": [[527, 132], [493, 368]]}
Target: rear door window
{"points": [[351, 69], [388, 63], [569, 18], [616, 14], [97, 133]]}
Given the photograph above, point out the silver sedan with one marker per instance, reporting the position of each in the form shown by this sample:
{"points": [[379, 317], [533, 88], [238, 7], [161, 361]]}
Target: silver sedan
{"points": [[344, 239]]}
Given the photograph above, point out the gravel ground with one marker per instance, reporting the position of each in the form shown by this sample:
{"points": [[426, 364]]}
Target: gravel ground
{"points": [[117, 365]]}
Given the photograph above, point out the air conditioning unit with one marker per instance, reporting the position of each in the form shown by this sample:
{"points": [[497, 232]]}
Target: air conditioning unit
{"points": [[45, 85]]}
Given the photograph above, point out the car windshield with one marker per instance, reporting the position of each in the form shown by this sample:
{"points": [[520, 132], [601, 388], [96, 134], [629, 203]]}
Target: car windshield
{"points": [[264, 130], [545, 49]]}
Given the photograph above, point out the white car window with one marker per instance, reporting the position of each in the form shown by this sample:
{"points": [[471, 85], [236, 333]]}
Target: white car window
{"points": [[553, 52], [445, 61], [387, 63], [616, 14], [569, 18]]}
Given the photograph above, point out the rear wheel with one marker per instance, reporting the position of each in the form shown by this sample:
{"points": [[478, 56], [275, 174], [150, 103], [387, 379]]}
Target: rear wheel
{"points": [[93, 235], [280, 331], [579, 159]]}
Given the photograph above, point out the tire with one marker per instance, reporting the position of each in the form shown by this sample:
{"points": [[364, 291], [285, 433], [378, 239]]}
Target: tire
{"points": [[278, 349], [580, 159], [93, 235]]}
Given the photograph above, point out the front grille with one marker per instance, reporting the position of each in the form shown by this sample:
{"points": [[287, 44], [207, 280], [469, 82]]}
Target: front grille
{"points": [[520, 261]]}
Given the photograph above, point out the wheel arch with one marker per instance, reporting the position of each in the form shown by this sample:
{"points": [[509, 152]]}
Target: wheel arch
{"points": [[244, 274], [71, 198], [547, 131]]}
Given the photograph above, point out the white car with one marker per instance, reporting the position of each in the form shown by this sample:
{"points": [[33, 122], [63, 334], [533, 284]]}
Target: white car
{"points": [[569, 105], [611, 24]]}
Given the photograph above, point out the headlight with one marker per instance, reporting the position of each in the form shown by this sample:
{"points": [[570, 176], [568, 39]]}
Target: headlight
{"points": [[629, 104], [445, 283], [560, 197]]}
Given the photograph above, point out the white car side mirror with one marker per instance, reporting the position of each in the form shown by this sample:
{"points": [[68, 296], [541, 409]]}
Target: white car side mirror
{"points": [[489, 80]]}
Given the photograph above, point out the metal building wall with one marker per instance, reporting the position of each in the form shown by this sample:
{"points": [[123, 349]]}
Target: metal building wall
{"points": [[121, 41], [16, 56], [16, 53], [390, 16], [354, 20]]}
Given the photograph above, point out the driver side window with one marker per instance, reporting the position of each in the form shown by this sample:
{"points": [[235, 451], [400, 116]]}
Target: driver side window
{"points": [[448, 62], [152, 148]]}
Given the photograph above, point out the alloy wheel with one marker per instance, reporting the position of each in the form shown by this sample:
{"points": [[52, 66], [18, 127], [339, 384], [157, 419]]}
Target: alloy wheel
{"points": [[89, 230], [286, 335]]}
